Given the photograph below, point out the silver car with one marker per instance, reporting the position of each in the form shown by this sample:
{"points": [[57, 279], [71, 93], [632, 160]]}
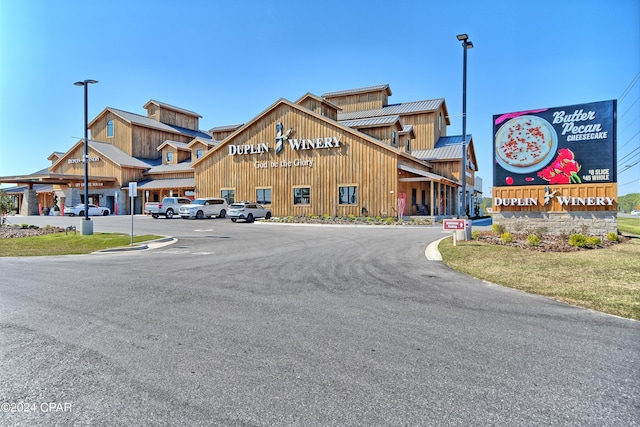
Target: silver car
{"points": [[204, 208], [248, 211]]}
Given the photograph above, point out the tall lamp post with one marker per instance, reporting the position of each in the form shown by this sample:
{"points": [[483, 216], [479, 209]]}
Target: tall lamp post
{"points": [[87, 225], [466, 44]]}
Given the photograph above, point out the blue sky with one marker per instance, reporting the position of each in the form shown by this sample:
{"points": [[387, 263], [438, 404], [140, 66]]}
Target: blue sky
{"points": [[229, 61]]}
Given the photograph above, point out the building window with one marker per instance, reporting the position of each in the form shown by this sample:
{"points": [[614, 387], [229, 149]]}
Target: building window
{"points": [[348, 195], [263, 196], [414, 196], [440, 122], [408, 145], [228, 195], [198, 153], [393, 138], [302, 196], [110, 129], [169, 157]]}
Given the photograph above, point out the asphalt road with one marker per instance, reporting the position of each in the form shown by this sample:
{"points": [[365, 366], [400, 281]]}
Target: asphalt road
{"points": [[279, 325]]}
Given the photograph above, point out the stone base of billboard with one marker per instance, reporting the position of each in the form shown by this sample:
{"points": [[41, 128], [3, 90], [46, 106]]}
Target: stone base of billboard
{"points": [[588, 223]]}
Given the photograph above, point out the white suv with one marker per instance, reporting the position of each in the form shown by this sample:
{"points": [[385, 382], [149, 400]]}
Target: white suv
{"points": [[248, 211], [204, 207]]}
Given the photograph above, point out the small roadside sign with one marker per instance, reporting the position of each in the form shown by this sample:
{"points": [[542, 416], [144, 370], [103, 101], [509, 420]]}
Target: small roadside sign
{"points": [[453, 224]]}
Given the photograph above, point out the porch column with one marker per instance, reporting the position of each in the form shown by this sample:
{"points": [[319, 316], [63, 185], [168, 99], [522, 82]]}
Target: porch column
{"points": [[29, 203]]}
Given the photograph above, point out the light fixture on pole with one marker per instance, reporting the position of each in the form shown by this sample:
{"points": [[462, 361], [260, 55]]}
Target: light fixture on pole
{"points": [[466, 44], [87, 225]]}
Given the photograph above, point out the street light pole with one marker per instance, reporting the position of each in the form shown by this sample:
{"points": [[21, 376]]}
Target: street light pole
{"points": [[87, 226], [466, 44]]}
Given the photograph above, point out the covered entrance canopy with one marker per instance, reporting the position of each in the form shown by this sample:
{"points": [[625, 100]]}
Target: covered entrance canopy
{"points": [[442, 192], [33, 198], [155, 190]]}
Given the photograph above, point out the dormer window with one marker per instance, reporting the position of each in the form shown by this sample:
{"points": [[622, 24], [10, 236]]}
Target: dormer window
{"points": [[169, 156], [110, 129], [440, 122], [393, 138], [198, 153]]}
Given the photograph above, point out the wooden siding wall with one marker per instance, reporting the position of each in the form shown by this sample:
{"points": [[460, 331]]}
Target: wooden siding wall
{"points": [[145, 141], [183, 155], [172, 117], [372, 168], [425, 127], [219, 136], [103, 167], [122, 133], [198, 146], [169, 175], [448, 169], [320, 108], [382, 134], [538, 192], [360, 101]]}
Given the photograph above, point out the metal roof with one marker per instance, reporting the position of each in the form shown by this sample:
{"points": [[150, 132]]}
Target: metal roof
{"points": [[448, 140], [226, 128], [400, 109], [371, 122], [429, 175], [38, 188], [118, 156], [358, 90], [176, 144], [167, 183], [406, 129], [172, 107], [172, 167], [153, 123], [448, 152]]}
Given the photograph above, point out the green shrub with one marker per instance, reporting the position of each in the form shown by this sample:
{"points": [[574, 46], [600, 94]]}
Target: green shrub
{"points": [[475, 235], [326, 216], [613, 237], [506, 237], [594, 241], [390, 220], [578, 240], [533, 240], [498, 228]]}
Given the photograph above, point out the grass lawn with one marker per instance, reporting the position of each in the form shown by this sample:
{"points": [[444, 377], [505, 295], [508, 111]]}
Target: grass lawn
{"points": [[67, 244], [606, 280]]}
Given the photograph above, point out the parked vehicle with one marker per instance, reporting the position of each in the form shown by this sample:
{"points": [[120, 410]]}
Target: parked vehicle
{"points": [[635, 212], [204, 207], [167, 207], [93, 210], [248, 211]]}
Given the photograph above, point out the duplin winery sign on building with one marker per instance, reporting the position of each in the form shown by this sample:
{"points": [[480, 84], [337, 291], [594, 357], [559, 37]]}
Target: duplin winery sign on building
{"points": [[555, 160]]}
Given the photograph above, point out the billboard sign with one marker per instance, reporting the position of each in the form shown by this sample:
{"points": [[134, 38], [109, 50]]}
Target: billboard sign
{"points": [[575, 144]]}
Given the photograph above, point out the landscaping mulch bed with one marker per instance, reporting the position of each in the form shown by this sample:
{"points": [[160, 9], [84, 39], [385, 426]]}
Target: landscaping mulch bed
{"points": [[9, 231], [548, 243]]}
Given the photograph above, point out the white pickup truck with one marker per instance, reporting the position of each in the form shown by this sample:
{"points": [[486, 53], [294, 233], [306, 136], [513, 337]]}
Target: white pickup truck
{"points": [[168, 207]]}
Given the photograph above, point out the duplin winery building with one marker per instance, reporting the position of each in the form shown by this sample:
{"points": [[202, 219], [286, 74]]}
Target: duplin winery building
{"points": [[342, 153]]}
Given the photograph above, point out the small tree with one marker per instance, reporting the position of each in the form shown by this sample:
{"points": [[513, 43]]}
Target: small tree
{"points": [[6, 204]]}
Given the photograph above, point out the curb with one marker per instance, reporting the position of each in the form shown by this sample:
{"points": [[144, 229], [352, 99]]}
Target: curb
{"points": [[431, 252], [149, 245]]}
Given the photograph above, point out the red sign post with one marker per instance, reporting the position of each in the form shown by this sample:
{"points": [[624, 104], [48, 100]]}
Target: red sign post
{"points": [[454, 225]]}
